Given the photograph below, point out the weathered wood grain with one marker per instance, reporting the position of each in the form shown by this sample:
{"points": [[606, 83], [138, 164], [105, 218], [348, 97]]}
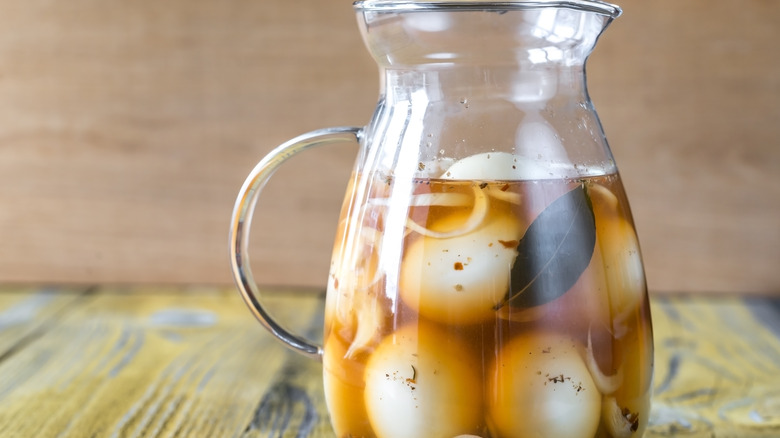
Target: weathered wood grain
{"points": [[155, 363], [167, 362], [127, 127], [717, 368], [28, 312]]}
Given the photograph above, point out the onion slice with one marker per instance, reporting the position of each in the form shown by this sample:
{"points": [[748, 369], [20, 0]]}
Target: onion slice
{"points": [[506, 196], [529, 314], [605, 384], [478, 213], [429, 199], [369, 315]]}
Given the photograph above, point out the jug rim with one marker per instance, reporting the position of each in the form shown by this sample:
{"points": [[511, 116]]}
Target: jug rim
{"points": [[596, 6]]}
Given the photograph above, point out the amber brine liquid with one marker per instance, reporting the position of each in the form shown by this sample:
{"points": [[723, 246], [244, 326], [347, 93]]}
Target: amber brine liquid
{"points": [[428, 334]]}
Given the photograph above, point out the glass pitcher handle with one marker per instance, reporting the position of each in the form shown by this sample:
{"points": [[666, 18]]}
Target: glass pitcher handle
{"points": [[242, 219]]}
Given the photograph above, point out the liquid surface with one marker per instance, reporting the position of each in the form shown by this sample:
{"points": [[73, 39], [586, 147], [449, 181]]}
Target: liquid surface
{"points": [[488, 309]]}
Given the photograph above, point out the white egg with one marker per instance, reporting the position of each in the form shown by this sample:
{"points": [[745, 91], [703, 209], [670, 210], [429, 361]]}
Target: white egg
{"points": [[497, 166], [460, 279], [539, 386], [620, 251], [420, 382]]}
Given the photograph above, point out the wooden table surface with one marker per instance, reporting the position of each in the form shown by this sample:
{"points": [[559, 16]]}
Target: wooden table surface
{"points": [[191, 362]]}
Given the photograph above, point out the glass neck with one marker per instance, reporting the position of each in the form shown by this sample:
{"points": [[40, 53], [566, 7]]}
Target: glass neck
{"points": [[461, 84]]}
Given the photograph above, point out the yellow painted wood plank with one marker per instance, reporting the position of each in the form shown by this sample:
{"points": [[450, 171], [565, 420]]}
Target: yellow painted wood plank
{"points": [[190, 363], [162, 363], [26, 312], [717, 369]]}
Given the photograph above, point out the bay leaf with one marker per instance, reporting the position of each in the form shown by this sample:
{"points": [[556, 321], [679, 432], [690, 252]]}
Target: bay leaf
{"points": [[554, 252]]}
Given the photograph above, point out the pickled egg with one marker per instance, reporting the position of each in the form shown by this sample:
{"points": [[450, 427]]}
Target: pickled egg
{"points": [[620, 251], [421, 382], [539, 386], [460, 279], [496, 166]]}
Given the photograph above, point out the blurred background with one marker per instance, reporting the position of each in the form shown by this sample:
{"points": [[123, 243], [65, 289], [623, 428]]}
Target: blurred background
{"points": [[127, 128]]}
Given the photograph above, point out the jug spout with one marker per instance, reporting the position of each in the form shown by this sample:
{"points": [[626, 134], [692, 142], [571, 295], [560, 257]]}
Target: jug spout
{"points": [[402, 34]]}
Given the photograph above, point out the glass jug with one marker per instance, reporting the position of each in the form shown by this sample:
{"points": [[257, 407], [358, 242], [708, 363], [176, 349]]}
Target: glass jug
{"points": [[486, 279]]}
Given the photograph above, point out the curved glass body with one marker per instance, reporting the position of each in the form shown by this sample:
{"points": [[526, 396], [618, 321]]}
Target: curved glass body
{"points": [[486, 278]]}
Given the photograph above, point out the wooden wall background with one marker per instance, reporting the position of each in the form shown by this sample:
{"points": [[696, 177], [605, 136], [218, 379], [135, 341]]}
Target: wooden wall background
{"points": [[126, 128]]}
